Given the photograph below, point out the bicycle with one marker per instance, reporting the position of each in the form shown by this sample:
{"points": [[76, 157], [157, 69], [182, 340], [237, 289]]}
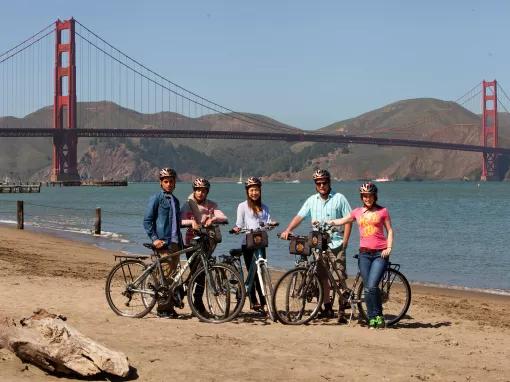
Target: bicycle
{"points": [[255, 239], [299, 293], [137, 282]]}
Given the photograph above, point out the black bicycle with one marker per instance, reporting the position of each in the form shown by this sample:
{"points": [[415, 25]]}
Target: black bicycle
{"points": [[298, 294], [137, 282]]}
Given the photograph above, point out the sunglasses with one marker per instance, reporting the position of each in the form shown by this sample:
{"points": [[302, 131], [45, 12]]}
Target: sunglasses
{"points": [[318, 184]]}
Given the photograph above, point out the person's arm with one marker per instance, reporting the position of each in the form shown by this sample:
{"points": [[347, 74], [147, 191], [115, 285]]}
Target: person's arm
{"points": [[296, 221], [345, 220], [149, 221], [188, 219], [389, 230], [217, 217]]}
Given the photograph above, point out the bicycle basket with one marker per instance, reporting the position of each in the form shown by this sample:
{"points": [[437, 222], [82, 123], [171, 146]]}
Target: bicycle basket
{"points": [[299, 246], [315, 240], [257, 239]]}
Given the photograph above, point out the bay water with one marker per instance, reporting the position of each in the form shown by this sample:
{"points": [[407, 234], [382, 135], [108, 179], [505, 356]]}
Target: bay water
{"points": [[446, 233]]}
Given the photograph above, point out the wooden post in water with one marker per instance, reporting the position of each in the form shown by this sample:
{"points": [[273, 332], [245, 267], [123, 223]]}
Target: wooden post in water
{"points": [[97, 225], [20, 217]]}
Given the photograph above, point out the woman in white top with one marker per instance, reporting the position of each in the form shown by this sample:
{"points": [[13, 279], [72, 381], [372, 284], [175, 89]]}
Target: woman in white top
{"points": [[250, 214]]}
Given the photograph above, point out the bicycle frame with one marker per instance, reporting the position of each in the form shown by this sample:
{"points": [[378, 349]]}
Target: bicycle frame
{"points": [[157, 264], [256, 261]]}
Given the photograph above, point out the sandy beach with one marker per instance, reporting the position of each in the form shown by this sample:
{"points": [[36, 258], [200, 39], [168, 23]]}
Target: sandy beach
{"points": [[450, 335]]}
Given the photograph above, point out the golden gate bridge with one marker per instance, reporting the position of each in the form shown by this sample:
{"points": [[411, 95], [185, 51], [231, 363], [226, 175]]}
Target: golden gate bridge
{"points": [[67, 61]]}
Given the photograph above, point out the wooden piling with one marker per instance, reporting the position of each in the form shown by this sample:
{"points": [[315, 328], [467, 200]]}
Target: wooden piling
{"points": [[97, 225], [20, 216]]}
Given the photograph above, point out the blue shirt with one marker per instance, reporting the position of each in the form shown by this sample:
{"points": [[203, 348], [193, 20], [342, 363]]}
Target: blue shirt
{"points": [[335, 206]]}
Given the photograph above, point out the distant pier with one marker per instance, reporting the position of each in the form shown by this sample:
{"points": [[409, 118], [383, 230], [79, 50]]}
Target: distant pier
{"points": [[93, 183], [19, 188]]}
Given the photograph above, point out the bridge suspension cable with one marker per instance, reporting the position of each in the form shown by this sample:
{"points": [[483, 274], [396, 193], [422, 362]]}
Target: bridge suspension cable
{"points": [[151, 92], [26, 80]]}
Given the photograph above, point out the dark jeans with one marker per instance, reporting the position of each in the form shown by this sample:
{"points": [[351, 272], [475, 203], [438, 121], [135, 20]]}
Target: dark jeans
{"points": [[372, 267], [248, 256]]}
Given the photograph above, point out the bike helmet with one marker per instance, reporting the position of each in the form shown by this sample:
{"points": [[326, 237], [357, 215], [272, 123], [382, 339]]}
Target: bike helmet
{"points": [[321, 174], [252, 181], [368, 188], [167, 173], [201, 183]]}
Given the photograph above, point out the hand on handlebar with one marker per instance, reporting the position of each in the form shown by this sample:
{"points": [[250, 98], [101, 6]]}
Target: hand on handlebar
{"points": [[235, 230], [284, 235], [158, 243]]}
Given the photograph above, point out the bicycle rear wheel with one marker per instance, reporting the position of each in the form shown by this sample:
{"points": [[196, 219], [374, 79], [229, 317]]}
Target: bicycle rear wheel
{"points": [[268, 291], [219, 300], [395, 295], [127, 297], [297, 297]]}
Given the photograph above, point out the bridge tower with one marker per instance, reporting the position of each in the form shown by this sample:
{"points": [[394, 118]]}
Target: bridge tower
{"points": [[64, 108], [490, 129]]}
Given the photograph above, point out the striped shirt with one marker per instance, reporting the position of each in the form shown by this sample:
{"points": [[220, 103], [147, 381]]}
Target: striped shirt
{"points": [[335, 206]]}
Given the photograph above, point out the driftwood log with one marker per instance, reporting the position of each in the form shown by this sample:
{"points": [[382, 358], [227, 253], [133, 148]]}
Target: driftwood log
{"points": [[46, 340]]}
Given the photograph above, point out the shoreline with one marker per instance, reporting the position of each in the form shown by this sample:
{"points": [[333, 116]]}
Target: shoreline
{"points": [[109, 242]]}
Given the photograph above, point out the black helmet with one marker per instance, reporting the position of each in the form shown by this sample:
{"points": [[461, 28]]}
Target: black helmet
{"points": [[252, 181], [167, 172], [321, 174]]}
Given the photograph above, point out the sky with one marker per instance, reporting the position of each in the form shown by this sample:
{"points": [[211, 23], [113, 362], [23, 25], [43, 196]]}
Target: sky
{"points": [[304, 63]]}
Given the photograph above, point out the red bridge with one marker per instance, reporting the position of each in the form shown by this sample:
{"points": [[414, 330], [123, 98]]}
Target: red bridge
{"points": [[108, 74]]}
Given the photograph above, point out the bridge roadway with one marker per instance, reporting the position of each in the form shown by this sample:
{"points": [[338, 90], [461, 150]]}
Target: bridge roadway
{"points": [[247, 135]]}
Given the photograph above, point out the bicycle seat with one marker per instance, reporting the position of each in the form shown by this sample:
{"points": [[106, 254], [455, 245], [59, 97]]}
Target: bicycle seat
{"points": [[236, 252]]}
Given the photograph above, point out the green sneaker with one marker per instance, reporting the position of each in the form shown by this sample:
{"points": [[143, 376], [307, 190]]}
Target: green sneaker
{"points": [[372, 323], [379, 322]]}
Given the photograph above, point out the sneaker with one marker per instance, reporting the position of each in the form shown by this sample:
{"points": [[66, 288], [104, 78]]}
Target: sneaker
{"points": [[380, 323], [171, 313], [327, 312], [372, 323], [199, 305], [342, 319]]}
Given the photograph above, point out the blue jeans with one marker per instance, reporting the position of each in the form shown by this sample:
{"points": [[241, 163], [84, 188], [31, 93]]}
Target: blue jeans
{"points": [[372, 267]]}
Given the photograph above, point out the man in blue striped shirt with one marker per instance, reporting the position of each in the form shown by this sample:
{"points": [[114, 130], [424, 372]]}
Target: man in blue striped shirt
{"points": [[323, 206]]}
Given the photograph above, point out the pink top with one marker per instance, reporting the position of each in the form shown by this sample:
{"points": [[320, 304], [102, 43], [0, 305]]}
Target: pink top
{"points": [[371, 227], [208, 209]]}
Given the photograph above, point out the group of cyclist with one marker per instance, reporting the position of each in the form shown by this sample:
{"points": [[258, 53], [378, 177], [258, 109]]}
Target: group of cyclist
{"points": [[164, 218]]}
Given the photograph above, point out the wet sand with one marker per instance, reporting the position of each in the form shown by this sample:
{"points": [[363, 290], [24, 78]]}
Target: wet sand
{"points": [[449, 335]]}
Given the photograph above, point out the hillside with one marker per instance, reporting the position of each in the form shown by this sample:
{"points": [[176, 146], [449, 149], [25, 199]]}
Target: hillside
{"points": [[139, 159]]}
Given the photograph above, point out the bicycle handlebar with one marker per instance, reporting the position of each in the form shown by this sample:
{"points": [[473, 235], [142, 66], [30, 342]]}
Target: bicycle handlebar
{"points": [[263, 227]]}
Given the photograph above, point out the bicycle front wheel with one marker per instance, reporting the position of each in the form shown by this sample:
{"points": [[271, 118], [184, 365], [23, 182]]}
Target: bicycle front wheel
{"points": [[268, 291], [395, 296], [219, 297], [297, 297], [127, 293]]}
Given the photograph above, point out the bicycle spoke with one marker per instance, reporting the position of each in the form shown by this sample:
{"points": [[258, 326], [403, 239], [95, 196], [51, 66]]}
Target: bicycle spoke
{"points": [[127, 293]]}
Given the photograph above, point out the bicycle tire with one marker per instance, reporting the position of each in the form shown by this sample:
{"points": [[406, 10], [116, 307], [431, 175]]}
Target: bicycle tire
{"points": [[397, 307], [120, 278], [226, 282], [302, 287], [268, 291]]}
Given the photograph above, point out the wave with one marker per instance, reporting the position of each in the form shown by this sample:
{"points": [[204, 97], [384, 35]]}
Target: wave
{"points": [[8, 222], [496, 291]]}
